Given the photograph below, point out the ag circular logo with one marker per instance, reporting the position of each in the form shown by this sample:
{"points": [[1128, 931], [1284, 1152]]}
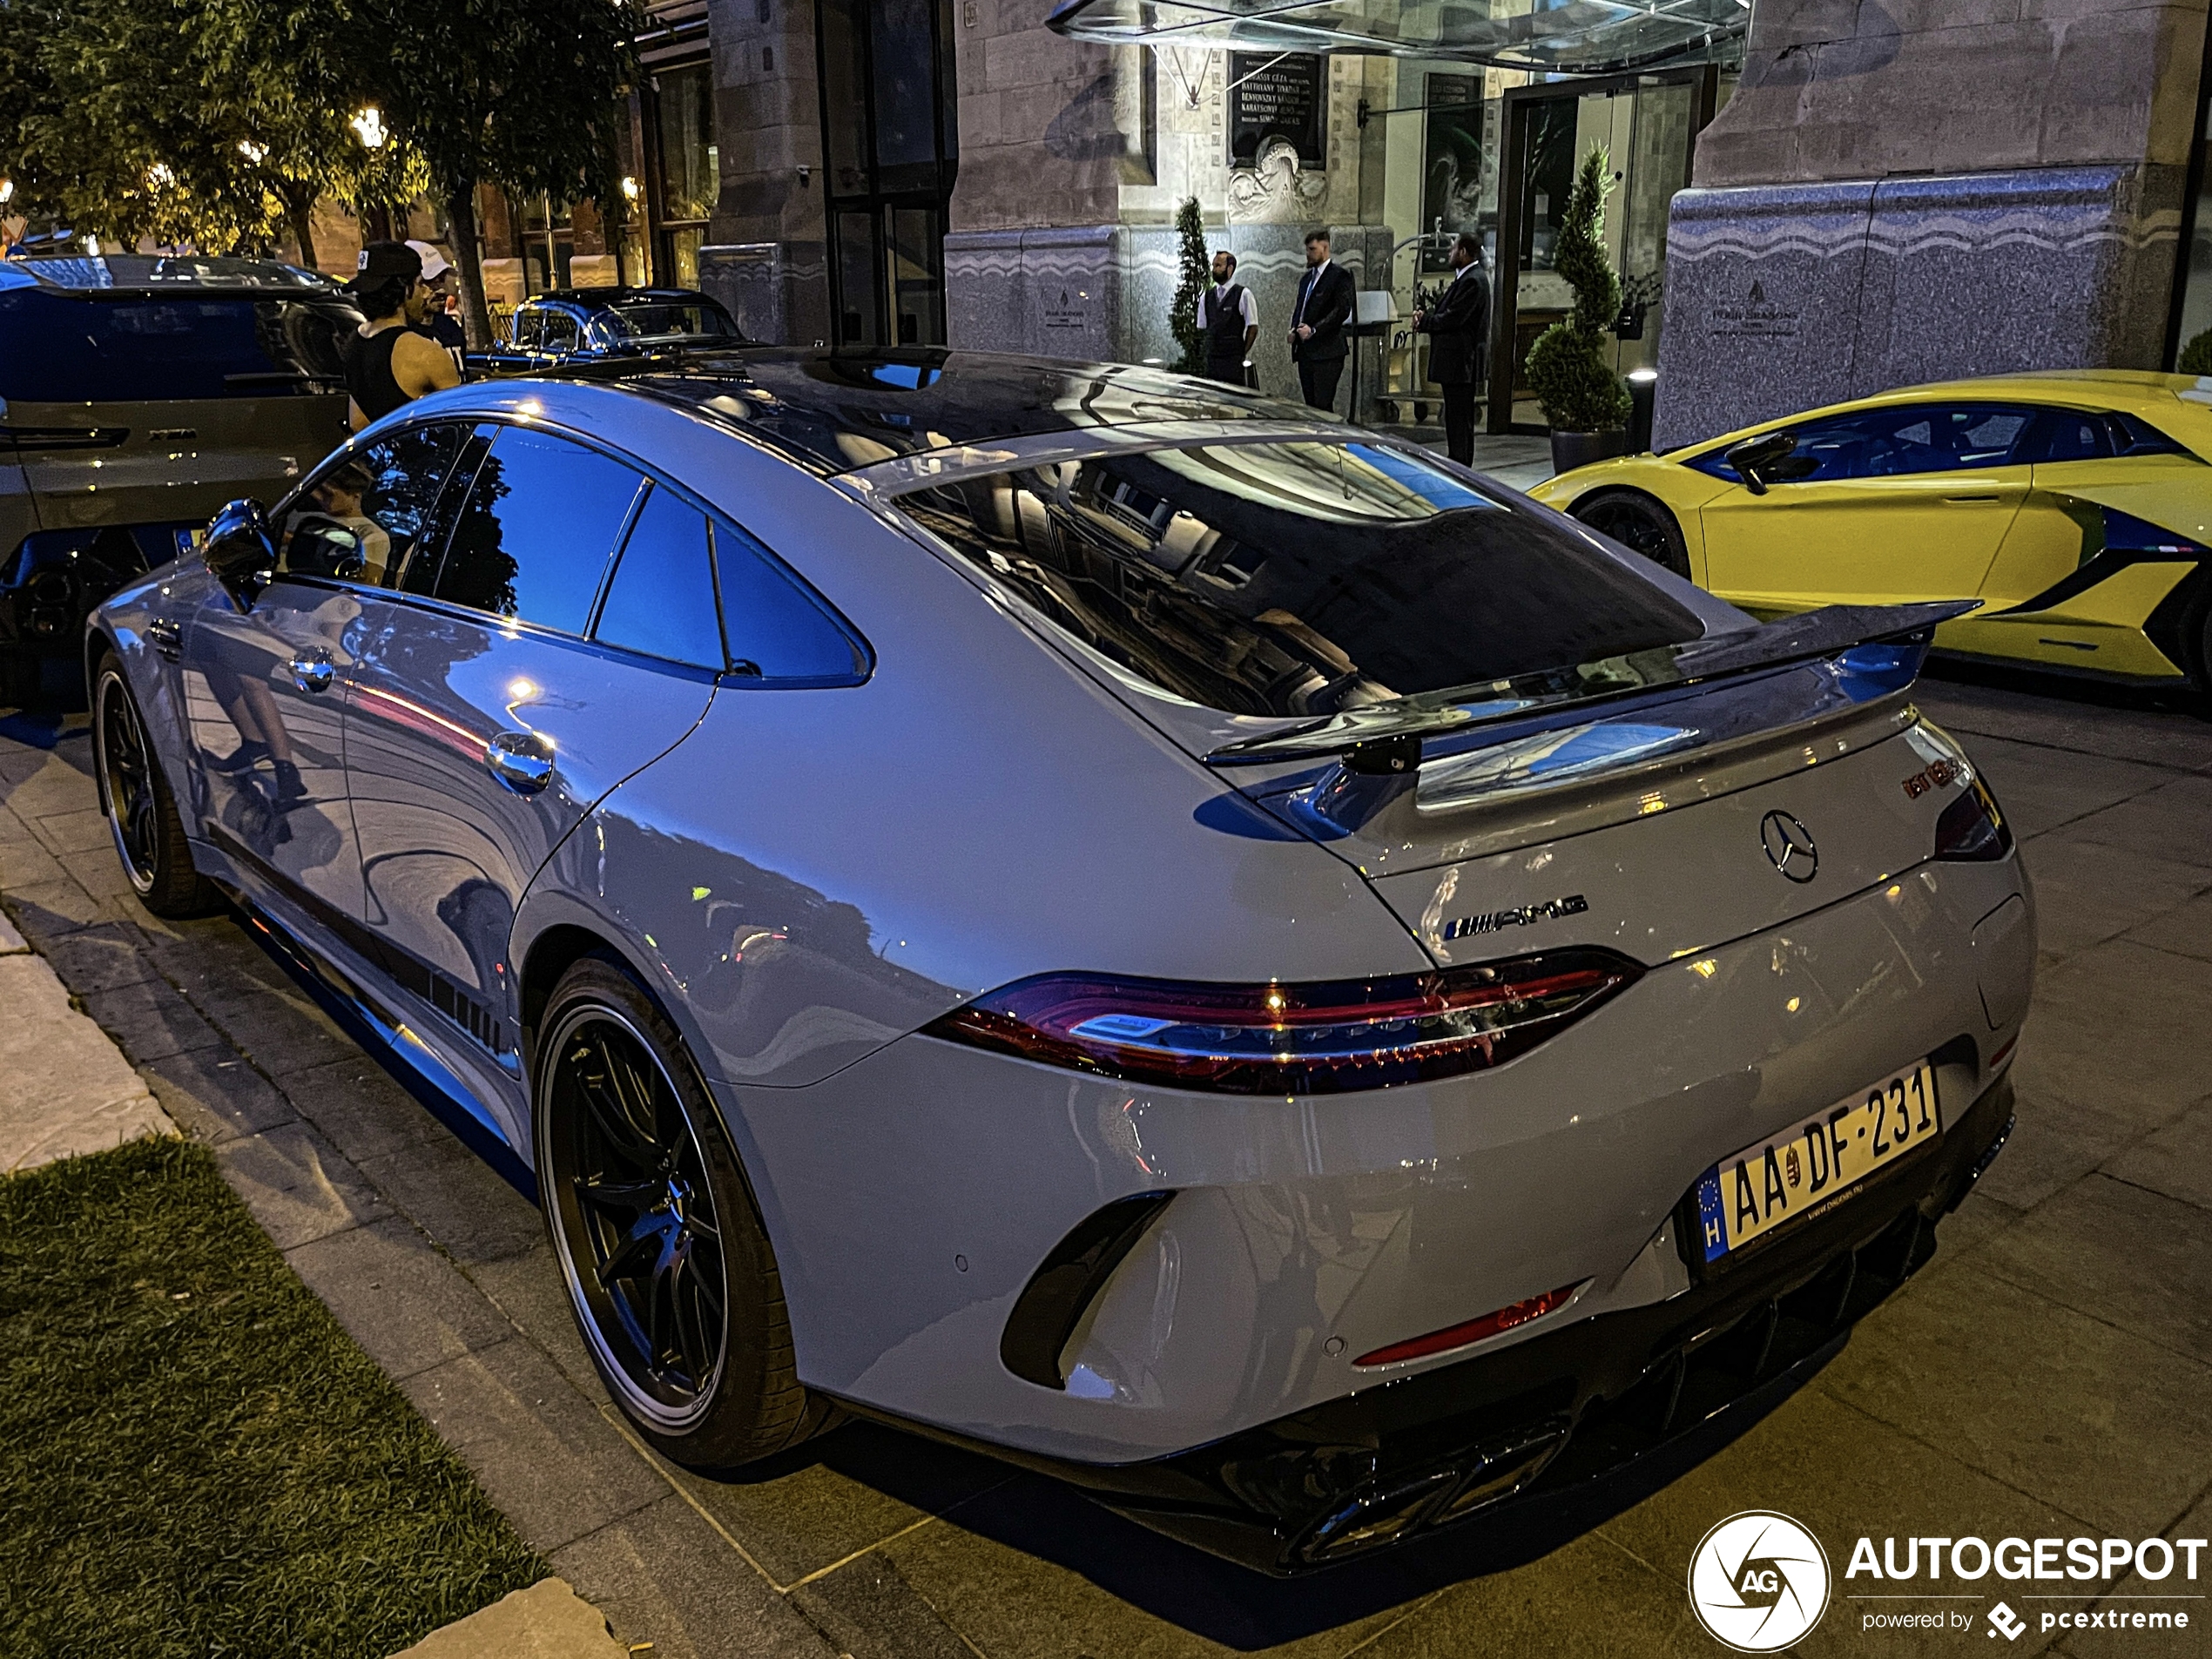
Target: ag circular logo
{"points": [[1789, 846], [1759, 1581]]}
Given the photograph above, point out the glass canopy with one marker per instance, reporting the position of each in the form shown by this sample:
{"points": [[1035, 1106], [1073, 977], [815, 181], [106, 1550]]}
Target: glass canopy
{"points": [[1559, 36]]}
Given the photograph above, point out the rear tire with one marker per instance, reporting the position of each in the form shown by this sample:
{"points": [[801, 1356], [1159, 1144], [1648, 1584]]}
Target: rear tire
{"points": [[670, 1274], [141, 808], [1639, 523]]}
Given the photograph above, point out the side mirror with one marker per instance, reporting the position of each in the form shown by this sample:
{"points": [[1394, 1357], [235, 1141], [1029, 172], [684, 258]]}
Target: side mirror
{"points": [[238, 552], [1756, 459]]}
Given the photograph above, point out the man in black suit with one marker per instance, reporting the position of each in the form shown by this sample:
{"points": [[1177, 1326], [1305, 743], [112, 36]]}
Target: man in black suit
{"points": [[1318, 344], [1458, 333]]}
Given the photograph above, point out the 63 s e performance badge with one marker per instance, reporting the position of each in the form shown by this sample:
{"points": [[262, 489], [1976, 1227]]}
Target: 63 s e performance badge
{"points": [[1759, 1581]]}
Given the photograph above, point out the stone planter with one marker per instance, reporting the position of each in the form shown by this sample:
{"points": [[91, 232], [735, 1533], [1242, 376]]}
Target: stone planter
{"points": [[1573, 450]]}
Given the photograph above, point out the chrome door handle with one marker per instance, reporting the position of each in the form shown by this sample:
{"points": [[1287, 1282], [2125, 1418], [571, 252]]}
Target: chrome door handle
{"points": [[313, 673], [522, 760]]}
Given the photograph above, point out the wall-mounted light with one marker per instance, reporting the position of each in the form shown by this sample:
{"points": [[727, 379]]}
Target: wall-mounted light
{"points": [[368, 127], [7, 190], [630, 189], [805, 175]]}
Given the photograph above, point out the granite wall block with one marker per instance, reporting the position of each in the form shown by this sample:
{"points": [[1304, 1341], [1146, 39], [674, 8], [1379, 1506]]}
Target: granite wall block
{"points": [[1786, 297]]}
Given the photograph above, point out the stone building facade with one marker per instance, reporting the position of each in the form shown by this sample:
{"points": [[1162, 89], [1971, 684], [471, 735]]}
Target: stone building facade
{"points": [[1895, 190], [1905, 191]]}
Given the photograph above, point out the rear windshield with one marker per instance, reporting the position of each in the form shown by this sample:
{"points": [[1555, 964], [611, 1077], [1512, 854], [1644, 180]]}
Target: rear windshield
{"points": [[67, 348], [1297, 577]]}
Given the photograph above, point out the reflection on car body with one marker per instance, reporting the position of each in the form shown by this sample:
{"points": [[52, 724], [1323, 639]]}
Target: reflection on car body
{"points": [[1084, 911]]}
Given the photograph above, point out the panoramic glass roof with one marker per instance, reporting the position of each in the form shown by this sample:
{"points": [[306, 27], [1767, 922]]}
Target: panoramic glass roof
{"points": [[1567, 36]]}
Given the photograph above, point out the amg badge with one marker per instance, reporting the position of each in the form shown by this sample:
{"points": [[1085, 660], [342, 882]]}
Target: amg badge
{"points": [[1491, 921]]}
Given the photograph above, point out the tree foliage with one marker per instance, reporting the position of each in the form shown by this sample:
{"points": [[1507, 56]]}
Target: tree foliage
{"points": [[212, 126], [1567, 367], [215, 123], [519, 94], [1195, 274]]}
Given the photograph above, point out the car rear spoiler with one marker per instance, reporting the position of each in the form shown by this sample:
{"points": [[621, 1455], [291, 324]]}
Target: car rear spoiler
{"points": [[1883, 645]]}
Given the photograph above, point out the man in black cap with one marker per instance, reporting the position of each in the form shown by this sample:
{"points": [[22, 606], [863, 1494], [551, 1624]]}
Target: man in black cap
{"points": [[389, 361]]}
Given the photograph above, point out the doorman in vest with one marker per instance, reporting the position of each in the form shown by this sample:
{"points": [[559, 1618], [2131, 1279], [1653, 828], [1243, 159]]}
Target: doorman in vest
{"points": [[1229, 321]]}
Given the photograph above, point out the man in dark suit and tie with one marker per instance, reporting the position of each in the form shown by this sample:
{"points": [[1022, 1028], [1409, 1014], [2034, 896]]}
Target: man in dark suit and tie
{"points": [[1459, 332], [1318, 344]]}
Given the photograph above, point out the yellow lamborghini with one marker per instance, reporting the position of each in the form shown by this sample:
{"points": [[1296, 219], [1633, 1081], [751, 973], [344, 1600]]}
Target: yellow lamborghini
{"points": [[2076, 505]]}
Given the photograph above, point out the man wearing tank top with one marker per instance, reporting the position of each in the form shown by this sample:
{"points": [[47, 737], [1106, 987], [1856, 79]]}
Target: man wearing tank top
{"points": [[389, 361]]}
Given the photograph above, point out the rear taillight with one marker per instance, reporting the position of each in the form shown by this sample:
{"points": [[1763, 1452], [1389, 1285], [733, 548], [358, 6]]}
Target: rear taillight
{"points": [[1303, 1039], [1971, 829]]}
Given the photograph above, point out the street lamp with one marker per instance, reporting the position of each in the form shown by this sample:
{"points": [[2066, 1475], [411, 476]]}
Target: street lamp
{"points": [[368, 127], [7, 191], [254, 152]]}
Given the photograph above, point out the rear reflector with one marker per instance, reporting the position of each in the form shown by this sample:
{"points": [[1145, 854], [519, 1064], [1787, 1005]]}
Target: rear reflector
{"points": [[1459, 1336], [1315, 1038]]}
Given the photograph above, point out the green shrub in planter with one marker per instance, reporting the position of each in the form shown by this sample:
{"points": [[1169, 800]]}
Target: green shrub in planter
{"points": [[2197, 356], [1566, 370], [1194, 267]]}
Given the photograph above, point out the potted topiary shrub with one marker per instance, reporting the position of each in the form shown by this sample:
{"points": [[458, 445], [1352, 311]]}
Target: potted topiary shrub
{"points": [[1580, 395], [1194, 270]]}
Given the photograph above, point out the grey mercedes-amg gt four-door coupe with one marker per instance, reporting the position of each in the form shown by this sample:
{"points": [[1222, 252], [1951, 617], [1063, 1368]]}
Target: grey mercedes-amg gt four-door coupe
{"points": [[1089, 914]]}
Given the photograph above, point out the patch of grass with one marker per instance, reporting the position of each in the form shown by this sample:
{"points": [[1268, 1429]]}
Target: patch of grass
{"points": [[194, 1457]]}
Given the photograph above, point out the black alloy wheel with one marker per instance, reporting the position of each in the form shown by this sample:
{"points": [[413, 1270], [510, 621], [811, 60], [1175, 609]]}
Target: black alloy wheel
{"points": [[142, 812], [1639, 523], [669, 1273]]}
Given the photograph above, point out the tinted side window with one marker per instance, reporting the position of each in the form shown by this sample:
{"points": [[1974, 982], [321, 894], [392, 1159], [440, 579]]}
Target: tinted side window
{"points": [[2067, 434], [534, 536], [56, 349], [1916, 438], [662, 599], [560, 331], [526, 327], [776, 630], [359, 518]]}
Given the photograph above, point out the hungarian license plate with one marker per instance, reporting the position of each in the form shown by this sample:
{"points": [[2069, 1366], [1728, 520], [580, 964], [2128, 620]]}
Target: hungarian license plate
{"points": [[1809, 1170]]}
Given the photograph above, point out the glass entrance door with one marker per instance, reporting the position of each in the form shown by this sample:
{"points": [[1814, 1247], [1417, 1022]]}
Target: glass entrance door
{"points": [[891, 275], [1647, 125], [891, 145]]}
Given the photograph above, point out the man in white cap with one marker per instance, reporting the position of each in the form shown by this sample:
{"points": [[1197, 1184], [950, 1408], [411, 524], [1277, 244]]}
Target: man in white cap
{"points": [[437, 278]]}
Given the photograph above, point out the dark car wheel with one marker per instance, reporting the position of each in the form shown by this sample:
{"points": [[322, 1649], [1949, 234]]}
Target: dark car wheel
{"points": [[1639, 523], [141, 809], [668, 1272]]}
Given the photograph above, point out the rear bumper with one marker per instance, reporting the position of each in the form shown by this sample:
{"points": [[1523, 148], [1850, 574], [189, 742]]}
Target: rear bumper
{"points": [[1556, 1411]]}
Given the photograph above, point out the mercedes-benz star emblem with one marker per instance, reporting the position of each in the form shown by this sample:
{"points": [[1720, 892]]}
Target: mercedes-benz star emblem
{"points": [[1789, 846]]}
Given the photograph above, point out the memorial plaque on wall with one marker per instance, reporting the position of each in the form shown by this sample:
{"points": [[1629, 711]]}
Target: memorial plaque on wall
{"points": [[1275, 96]]}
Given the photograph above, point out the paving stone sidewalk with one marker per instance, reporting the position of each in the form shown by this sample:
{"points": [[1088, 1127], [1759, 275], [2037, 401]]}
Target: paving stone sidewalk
{"points": [[64, 1087], [2050, 1374]]}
